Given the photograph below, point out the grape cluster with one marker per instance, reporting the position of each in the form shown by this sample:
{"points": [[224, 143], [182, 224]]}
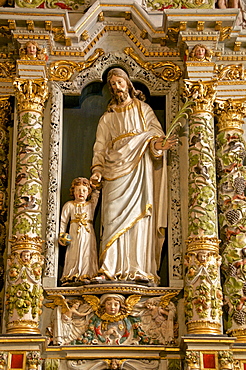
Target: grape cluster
{"points": [[233, 216], [239, 185], [239, 317], [232, 270]]}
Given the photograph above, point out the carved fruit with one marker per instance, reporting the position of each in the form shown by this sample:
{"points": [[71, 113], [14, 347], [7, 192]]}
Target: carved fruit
{"points": [[233, 216], [232, 270], [239, 317], [239, 185]]}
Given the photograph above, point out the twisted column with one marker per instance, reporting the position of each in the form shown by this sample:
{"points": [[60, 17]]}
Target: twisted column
{"points": [[203, 297], [24, 290], [232, 211]]}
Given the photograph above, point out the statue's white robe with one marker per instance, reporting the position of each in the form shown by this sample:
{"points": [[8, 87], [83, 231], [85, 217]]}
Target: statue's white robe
{"points": [[134, 192]]}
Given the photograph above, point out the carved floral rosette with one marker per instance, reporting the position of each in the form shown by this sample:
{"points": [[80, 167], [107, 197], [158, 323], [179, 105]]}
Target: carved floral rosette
{"points": [[203, 295], [33, 360], [226, 360], [232, 218], [24, 293]]}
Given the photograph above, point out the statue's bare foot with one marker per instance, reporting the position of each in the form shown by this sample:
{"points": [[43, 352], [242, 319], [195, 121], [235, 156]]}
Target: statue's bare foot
{"points": [[98, 279]]}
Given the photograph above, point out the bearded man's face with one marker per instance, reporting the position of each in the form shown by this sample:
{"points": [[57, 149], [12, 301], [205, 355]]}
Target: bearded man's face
{"points": [[120, 88]]}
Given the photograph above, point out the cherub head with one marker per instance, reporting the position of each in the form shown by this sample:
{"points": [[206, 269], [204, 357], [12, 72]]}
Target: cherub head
{"points": [[200, 52], [202, 256], [80, 189], [25, 256], [31, 50], [152, 303], [112, 304], [75, 303]]}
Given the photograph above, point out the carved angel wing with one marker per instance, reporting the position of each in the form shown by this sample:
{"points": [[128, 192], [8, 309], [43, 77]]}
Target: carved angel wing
{"points": [[166, 299], [58, 300], [131, 301], [93, 301]]}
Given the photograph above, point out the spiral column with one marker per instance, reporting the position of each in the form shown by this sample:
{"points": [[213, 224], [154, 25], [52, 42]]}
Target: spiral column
{"points": [[24, 291], [232, 211], [203, 296]]}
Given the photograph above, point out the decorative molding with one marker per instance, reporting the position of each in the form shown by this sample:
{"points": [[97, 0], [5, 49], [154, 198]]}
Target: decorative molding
{"points": [[52, 225], [170, 72], [63, 70], [124, 364], [231, 72]]}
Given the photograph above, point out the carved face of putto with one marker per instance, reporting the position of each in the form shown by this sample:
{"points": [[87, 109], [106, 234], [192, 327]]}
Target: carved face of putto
{"points": [[112, 306]]}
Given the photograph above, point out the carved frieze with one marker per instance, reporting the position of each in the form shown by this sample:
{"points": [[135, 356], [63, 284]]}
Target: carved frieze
{"points": [[113, 319]]}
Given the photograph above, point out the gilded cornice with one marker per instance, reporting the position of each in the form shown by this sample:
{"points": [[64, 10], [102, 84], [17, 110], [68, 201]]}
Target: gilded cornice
{"points": [[231, 57], [63, 70], [31, 94], [202, 92], [230, 114], [110, 288], [170, 71]]}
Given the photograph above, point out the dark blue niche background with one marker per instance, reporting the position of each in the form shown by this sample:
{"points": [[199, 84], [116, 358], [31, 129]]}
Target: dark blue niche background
{"points": [[80, 118]]}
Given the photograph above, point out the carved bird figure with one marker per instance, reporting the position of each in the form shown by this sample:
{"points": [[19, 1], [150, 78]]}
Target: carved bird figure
{"points": [[29, 202]]}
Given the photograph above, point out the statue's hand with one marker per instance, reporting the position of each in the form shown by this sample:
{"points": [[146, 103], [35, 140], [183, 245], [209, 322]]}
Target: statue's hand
{"points": [[171, 141], [95, 179]]}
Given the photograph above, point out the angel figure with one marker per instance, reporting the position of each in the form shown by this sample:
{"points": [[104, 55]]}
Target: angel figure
{"points": [[200, 53], [32, 51], [81, 262], [112, 322], [69, 320], [158, 319]]}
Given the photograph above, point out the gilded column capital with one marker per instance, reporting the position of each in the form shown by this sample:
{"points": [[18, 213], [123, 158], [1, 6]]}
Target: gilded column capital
{"points": [[203, 93], [31, 94], [25, 242], [230, 114], [210, 244]]}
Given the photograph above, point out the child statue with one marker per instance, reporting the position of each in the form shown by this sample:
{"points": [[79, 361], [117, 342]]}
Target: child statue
{"points": [[81, 263]]}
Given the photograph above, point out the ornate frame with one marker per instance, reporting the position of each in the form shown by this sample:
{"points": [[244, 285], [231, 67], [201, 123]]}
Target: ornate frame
{"points": [[156, 86]]}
